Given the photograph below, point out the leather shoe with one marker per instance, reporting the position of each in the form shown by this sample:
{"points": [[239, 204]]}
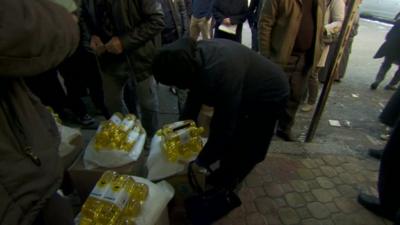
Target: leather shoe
{"points": [[372, 203], [375, 153], [285, 135]]}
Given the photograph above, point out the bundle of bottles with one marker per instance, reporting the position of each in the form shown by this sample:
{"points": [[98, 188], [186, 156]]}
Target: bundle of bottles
{"points": [[181, 140], [55, 115], [115, 200], [120, 133]]}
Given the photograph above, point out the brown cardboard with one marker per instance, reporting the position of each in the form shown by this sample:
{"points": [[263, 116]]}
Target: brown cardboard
{"points": [[84, 179]]}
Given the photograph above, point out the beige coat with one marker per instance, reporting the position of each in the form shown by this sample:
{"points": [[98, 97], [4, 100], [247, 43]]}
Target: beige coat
{"points": [[34, 36], [278, 25], [334, 17]]}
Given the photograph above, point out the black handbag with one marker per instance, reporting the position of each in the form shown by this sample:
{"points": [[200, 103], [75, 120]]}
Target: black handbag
{"points": [[206, 207]]}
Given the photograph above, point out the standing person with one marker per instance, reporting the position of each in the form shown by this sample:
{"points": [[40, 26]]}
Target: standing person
{"points": [[176, 21], [229, 17], [248, 93], [388, 202], [334, 16], [35, 37], [390, 50], [122, 33], [290, 33], [200, 22], [253, 16]]}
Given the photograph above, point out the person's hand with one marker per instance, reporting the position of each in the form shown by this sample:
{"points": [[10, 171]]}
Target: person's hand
{"points": [[97, 45], [114, 46], [227, 22]]}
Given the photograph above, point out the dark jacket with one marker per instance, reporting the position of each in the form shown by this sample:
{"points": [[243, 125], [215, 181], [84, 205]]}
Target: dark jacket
{"points": [[176, 22], [35, 36], [202, 8], [236, 10], [390, 48], [254, 12], [391, 113], [137, 23], [233, 80]]}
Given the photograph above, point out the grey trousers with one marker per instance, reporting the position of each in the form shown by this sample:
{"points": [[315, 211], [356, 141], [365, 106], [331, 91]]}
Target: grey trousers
{"points": [[123, 94], [298, 76]]}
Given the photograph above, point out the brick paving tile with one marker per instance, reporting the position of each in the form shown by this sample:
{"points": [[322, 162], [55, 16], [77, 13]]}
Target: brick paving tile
{"points": [[309, 197], [305, 174], [372, 176], [309, 163], [299, 185], [257, 191], [337, 180], [360, 178], [335, 193], [332, 207], [339, 169], [310, 222], [246, 195], [342, 219], [366, 218], [287, 187], [289, 216], [303, 213], [326, 222], [347, 178], [295, 200], [351, 167], [238, 212], [249, 207], [267, 178], [328, 171], [266, 205], [347, 205], [254, 180], [280, 202], [313, 184], [318, 210], [325, 182], [273, 219], [331, 160], [255, 219], [319, 162], [317, 172], [347, 190], [273, 189], [322, 195]]}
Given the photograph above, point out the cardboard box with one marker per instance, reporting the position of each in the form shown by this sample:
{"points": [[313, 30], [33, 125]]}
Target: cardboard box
{"points": [[84, 179]]}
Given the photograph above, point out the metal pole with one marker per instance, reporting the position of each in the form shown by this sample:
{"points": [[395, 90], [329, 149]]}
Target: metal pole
{"points": [[337, 57]]}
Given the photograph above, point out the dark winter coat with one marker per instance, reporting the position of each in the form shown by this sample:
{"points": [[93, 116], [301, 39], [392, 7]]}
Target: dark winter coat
{"points": [[137, 23], [176, 22], [236, 10], [390, 48], [34, 37], [391, 112]]}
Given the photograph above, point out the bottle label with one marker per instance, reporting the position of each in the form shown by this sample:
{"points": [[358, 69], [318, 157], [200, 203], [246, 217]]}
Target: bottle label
{"points": [[116, 120], [99, 190], [127, 124], [133, 136], [184, 136], [118, 198]]}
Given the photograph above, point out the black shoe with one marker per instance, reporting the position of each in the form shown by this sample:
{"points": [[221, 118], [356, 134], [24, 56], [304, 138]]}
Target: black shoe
{"points": [[86, 120], [286, 136], [372, 204], [375, 153], [374, 86]]}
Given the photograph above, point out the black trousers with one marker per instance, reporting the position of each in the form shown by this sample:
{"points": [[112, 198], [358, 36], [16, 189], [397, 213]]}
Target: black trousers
{"points": [[247, 147], [388, 181]]}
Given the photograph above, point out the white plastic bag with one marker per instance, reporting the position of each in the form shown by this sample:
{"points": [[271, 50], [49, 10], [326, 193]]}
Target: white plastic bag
{"points": [[159, 196], [67, 135], [111, 158]]}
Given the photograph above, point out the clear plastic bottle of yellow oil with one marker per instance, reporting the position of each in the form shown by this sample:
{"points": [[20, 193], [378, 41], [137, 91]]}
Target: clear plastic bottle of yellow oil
{"points": [[93, 205], [131, 139], [115, 200]]}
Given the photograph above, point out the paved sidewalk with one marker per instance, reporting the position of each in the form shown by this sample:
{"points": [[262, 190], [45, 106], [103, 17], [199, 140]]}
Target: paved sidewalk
{"points": [[307, 189]]}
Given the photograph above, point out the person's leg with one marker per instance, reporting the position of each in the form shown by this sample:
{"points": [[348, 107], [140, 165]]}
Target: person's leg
{"points": [[298, 77], [248, 147], [205, 28], [395, 80], [194, 28], [146, 91], [254, 38], [57, 210], [386, 64], [388, 185]]}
